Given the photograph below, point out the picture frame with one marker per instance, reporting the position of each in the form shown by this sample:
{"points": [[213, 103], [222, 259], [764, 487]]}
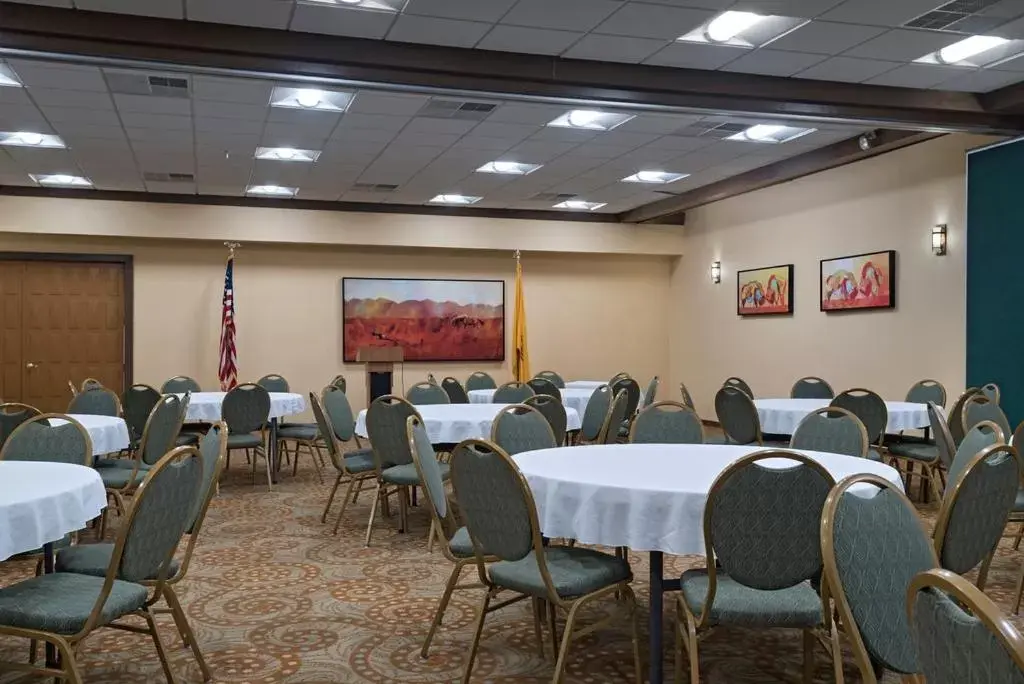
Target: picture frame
{"points": [[765, 291], [858, 282]]}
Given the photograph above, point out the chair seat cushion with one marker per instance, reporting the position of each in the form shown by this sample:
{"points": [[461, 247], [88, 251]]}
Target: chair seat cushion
{"points": [[93, 559], [716, 439], [186, 439], [406, 474], [360, 461], [575, 571], [460, 544], [915, 451], [128, 463], [1018, 504], [244, 441], [62, 602], [874, 454], [736, 604], [296, 431], [117, 478]]}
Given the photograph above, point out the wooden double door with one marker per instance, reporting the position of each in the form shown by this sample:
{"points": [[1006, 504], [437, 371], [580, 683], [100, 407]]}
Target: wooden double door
{"points": [[60, 321]]}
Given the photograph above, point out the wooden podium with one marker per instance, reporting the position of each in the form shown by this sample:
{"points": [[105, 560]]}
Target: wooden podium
{"points": [[380, 368]]}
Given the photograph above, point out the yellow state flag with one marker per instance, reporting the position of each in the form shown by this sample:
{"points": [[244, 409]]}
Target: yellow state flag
{"points": [[521, 358]]}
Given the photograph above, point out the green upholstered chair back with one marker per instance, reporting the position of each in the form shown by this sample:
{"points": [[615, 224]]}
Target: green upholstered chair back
{"points": [[386, 427], [613, 421], [553, 411], [340, 382], [480, 381], [246, 409], [162, 428], [213, 447], [11, 416], [338, 409], [520, 428], [455, 391], [924, 391], [494, 500], [180, 384], [940, 433], [811, 387], [545, 386], [867, 406], [426, 393], [833, 430], [979, 438], [274, 383], [512, 393], [632, 389], [962, 637], [596, 412], [138, 402], [762, 524], [956, 414], [555, 379], [991, 392], [95, 402], [687, 397], [874, 543], [651, 393], [618, 376], [429, 470], [91, 384], [979, 408], [666, 422], [740, 384], [326, 425], [975, 508], [50, 437], [737, 415]]}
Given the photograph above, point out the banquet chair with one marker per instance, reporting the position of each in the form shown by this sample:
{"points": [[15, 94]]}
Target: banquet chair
{"points": [[924, 391], [740, 384], [737, 417], [872, 412], [872, 547], [95, 402], [932, 456], [333, 414], [975, 509], [618, 376], [138, 402], [651, 393], [91, 384], [553, 411], [991, 392], [955, 418], [497, 506], [632, 389], [763, 552], [811, 387], [666, 422], [612, 428], [340, 382], [480, 381], [545, 386], [303, 437], [961, 635], [63, 608], [518, 428], [687, 398], [512, 393], [180, 384], [831, 429], [11, 416], [978, 408], [246, 411], [274, 383], [981, 436], [555, 379], [426, 393], [72, 388], [37, 439], [455, 391], [393, 467], [191, 435], [94, 559], [595, 414]]}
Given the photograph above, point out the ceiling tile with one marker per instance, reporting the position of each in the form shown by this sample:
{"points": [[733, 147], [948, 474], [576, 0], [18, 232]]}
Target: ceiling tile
{"points": [[469, 10], [424, 125], [71, 98], [412, 29], [693, 56], [484, 143], [312, 121], [917, 75], [265, 13], [160, 135], [541, 152], [559, 134], [847, 69], [368, 136], [239, 90], [510, 131], [381, 122], [36, 160], [70, 130], [825, 37], [525, 113], [230, 110], [698, 4], [657, 123], [570, 15], [62, 76], [286, 135], [880, 12], [99, 117], [147, 104], [171, 188], [398, 104], [17, 97], [139, 120], [902, 45], [529, 40], [614, 48], [341, 21], [169, 9], [773, 62], [807, 9], [407, 137], [22, 118], [1013, 64], [232, 126], [653, 21]]}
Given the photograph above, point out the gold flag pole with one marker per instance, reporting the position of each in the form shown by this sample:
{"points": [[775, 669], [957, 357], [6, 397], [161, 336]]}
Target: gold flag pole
{"points": [[521, 353]]}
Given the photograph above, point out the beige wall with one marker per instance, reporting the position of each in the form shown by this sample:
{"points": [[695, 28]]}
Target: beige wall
{"points": [[889, 202]]}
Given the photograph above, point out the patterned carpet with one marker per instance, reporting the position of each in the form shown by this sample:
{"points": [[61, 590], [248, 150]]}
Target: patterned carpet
{"points": [[274, 597]]}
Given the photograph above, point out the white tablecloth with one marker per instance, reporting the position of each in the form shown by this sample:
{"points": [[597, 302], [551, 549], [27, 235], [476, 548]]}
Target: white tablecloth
{"points": [[649, 497], [108, 434], [585, 384], [781, 416], [205, 406], [575, 399], [41, 502], [452, 423]]}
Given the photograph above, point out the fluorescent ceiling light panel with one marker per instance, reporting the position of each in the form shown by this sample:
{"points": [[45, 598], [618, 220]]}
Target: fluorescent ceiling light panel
{"points": [[742, 29], [311, 98], [962, 52], [8, 77], [655, 177], [379, 5], [580, 205], [770, 133], [728, 25], [61, 180], [591, 120], [289, 154], [509, 168], [271, 190], [30, 139], [455, 199]]}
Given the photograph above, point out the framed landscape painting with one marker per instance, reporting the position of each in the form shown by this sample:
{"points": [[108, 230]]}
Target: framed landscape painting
{"points": [[861, 281], [764, 291], [432, 320]]}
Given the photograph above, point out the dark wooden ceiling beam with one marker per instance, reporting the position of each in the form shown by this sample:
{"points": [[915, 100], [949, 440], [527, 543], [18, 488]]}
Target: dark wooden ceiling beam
{"points": [[64, 33]]}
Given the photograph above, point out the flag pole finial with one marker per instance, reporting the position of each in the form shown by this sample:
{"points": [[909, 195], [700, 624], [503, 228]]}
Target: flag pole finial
{"points": [[517, 255], [232, 246]]}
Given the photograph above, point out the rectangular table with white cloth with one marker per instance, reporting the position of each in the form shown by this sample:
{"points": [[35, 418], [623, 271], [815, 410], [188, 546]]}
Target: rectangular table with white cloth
{"points": [[452, 423]]}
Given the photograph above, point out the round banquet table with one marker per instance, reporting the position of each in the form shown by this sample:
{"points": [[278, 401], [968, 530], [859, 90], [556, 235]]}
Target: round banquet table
{"points": [[108, 434], [575, 399], [648, 497], [452, 423], [781, 416], [585, 384]]}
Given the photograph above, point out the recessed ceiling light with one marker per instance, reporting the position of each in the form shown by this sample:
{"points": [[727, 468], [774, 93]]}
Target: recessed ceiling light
{"points": [[271, 190], [287, 154], [30, 139], [770, 133], [455, 199], [509, 168], [8, 77], [742, 29], [591, 120], [61, 180], [311, 98], [580, 205], [967, 48], [728, 25], [382, 5], [654, 177]]}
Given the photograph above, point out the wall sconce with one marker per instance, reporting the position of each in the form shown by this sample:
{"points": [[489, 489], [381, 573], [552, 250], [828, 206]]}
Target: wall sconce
{"points": [[716, 272], [939, 240]]}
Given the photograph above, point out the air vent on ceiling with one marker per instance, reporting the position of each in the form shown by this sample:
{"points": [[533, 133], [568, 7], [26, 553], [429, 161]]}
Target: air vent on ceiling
{"points": [[959, 15], [713, 129], [156, 177], [126, 83], [553, 196], [374, 187], [456, 109]]}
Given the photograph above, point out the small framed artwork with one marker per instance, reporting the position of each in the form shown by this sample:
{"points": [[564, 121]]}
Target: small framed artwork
{"points": [[860, 281], [765, 291]]}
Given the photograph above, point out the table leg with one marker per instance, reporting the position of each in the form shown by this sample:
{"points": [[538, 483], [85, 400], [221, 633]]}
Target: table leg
{"points": [[654, 646], [272, 447], [48, 563]]}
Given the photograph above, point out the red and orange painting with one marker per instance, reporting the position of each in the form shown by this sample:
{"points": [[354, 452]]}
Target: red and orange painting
{"points": [[861, 281], [432, 320], [762, 291]]}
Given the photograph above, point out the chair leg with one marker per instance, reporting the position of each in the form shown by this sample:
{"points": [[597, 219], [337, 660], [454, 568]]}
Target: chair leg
{"points": [[1020, 590], [536, 625], [316, 463], [403, 508], [266, 457], [837, 652], [185, 629], [69, 663], [808, 656], [476, 637], [373, 511], [563, 652], [553, 627], [430, 535], [159, 644], [634, 622], [330, 497], [1020, 533], [453, 580], [983, 571], [344, 505]]}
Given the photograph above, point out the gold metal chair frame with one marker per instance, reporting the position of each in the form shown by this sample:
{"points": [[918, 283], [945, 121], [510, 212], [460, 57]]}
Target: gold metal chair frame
{"points": [[383, 489], [432, 386], [927, 382], [825, 411], [351, 493], [759, 438], [609, 431], [662, 405], [512, 385], [117, 399], [687, 397], [262, 450], [812, 379], [519, 409]]}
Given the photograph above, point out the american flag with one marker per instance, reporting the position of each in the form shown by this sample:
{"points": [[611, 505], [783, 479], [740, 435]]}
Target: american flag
{"points": [[228, 370]]}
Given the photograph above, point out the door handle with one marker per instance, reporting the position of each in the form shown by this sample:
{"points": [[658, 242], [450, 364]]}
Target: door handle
{"points": [[31, 365]]}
